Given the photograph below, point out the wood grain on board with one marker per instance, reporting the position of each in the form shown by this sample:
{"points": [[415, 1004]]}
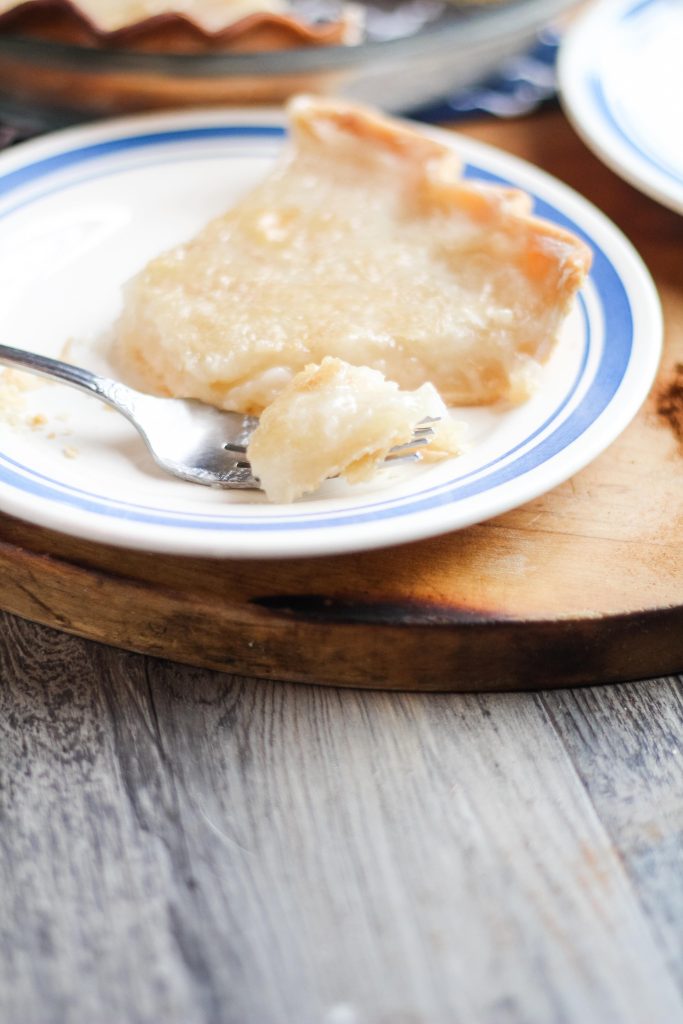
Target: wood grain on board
{"points": [[190, 847], [583, 584]]}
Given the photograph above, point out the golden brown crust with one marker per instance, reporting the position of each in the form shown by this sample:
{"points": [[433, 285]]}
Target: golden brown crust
{"points": [[440, 188], [323, 122], [76, 22]]}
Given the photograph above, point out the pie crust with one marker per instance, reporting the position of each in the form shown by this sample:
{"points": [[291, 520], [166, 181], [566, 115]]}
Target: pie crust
{"points": [[187, 26]]}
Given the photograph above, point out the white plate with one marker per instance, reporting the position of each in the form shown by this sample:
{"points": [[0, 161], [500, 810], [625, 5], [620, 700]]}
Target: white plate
{"points": [[82, 210], [621, 82]]}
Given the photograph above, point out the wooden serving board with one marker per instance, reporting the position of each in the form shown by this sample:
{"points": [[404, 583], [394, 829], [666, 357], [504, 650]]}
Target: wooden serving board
{"points": [[583, 585]]}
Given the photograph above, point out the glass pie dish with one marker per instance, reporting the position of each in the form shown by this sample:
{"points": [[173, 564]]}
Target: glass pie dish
{"points": [[411, 53]]}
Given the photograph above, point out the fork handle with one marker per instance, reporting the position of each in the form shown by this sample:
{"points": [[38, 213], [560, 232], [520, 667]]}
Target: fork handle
{"points": [[110, 391]]}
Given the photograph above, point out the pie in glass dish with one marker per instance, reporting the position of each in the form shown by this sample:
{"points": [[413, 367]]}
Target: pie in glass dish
{"points": [[66, 59], [183, 26]]}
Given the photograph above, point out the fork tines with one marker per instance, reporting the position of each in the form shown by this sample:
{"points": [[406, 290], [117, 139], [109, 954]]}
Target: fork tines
{"points": [[406, 452]]}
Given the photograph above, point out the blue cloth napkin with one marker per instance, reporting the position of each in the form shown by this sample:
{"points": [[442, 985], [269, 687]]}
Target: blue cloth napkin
{"points": [[520, 85]]}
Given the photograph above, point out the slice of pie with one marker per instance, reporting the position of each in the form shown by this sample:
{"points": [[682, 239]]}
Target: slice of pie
{"points": [[187, 26], [341, 420], [364, 243]]}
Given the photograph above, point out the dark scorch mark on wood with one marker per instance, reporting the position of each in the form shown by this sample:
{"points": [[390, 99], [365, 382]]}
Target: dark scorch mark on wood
{"points": [[361, 611], [670, 403]]}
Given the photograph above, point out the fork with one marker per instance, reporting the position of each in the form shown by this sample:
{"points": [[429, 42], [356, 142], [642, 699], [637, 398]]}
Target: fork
{"points": [[185, 437]]}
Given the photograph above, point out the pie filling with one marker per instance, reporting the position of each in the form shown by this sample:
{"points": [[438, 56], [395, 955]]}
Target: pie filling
{"points": [[341, 420]]}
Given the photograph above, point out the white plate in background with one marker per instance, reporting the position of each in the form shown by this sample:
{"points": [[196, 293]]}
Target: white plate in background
{"points": [[620, 76]]}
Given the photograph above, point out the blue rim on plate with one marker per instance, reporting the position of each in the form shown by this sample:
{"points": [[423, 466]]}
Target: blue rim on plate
{"points": [[614, 373]]}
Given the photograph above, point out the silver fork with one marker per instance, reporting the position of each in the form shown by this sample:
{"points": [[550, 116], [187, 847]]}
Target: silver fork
{"points": [[187, 438]]}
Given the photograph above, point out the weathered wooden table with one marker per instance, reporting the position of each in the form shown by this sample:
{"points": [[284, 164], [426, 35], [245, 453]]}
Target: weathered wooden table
{"points": [[186, 846]]}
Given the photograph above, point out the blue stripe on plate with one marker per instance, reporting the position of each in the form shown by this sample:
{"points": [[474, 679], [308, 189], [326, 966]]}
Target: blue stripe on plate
{"points": [[62, 161], [638, 8], [630, 138]]}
